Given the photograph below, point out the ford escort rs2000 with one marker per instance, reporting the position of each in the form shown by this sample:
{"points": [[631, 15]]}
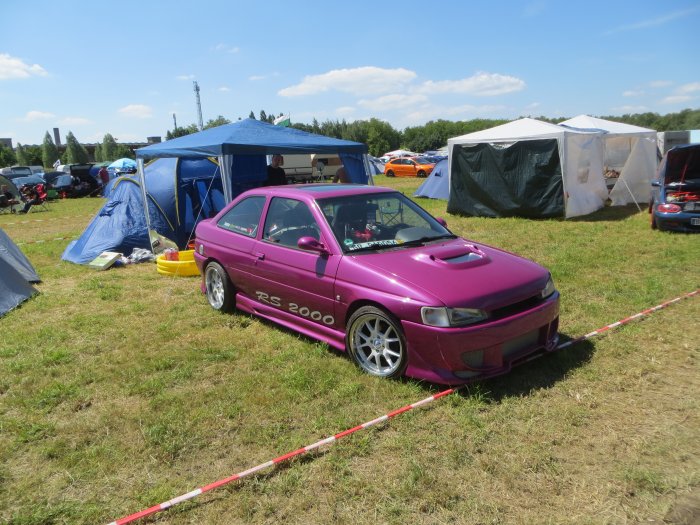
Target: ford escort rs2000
{"points": [[368, 271]]}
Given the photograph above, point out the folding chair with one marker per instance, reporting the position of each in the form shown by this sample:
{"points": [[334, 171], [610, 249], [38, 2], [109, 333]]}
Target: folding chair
{"points": [[41, 200]]}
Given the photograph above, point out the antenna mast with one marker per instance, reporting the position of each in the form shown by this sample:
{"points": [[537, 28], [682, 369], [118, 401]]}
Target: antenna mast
{"points": [[199, 105], [174, 122]]}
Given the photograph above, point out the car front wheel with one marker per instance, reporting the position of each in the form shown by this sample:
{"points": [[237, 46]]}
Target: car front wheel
{"points": [[376, 342], [421, 175], [219, 289], [389, 173]]}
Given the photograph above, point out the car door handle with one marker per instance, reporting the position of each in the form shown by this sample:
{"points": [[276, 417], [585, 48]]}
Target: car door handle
{"points": [[260, 256]]}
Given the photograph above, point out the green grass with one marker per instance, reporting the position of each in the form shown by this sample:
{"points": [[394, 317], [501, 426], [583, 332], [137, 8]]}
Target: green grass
{"points": [[122, 389]]}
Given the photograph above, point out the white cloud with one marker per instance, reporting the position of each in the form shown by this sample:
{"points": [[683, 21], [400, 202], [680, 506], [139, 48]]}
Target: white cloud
{"points": [[31, 116], [224, 89], [660, 83], [676, 99], [255, 78], [185, 77], [688, 88], [632, 93], [74, 121], [396, 101], [653, 22], [631, 109], [345, 110], [11, 67], [359, 81], [225, 48], [481, 84], [136, 111], [533, 105]]}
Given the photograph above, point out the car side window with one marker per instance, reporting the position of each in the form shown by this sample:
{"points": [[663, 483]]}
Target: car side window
{"points": [[244, 217], [287, 221]]}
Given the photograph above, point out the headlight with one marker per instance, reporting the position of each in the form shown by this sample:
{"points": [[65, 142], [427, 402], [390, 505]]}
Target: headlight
{"points": [[451, 316], [549, 289]]}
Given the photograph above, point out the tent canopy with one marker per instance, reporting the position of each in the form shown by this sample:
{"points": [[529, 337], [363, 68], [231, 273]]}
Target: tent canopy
{"points": [[437, 185], [249, 137], [629, 156], [16, 273], [581, 187]]}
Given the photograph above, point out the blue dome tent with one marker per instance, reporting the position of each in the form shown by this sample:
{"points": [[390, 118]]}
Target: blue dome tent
{"points": [[179, 193], [437, 185]]}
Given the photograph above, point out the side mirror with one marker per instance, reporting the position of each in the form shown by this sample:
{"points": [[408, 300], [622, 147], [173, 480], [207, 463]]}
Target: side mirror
{"points": [[312, 245], [442, 221], [656, 183]]}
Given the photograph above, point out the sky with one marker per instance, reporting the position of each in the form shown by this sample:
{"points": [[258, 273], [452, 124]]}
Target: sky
{"points": [[126, 67]]}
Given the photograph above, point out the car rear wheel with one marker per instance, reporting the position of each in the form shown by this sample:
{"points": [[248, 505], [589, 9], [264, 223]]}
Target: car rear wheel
{"points": [[219, 289], [389, 173], [421, 174], [376, 342]]}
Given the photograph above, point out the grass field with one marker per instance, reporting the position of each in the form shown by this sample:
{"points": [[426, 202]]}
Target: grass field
{"points": [[123, 389]]}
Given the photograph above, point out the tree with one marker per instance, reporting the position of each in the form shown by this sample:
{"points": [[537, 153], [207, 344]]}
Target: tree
{"points": [[75, 152], [263, 116], [21, 157], [49, 151], [32, 155], [108, 149], [7, 156], [252, 115], [218, 121], [122, 151], [181, 132]]}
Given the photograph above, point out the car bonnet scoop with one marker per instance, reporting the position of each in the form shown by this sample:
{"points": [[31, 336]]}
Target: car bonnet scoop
{"points": [[460, 256]]}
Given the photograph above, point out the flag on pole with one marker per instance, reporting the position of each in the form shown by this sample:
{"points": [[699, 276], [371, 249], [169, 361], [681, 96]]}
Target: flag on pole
{"points": [[283, 120], [57, 163]]}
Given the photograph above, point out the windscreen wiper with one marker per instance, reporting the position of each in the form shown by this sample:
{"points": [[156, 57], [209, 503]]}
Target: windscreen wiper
{"points": [[422, 240]]}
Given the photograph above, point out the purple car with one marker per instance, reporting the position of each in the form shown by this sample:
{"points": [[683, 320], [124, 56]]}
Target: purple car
{"points": [[367, 270]]}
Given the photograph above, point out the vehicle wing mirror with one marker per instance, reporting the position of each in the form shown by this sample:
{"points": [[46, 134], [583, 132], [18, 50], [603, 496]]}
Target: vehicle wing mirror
{"points": [[312, 245], [442, 221], [656, 183]]}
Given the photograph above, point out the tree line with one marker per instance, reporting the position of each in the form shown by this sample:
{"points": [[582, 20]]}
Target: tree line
{"points": [[380, 136]]}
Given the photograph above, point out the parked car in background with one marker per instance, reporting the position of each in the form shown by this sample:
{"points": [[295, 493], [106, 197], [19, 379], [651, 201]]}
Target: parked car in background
{"points": [[368, 271], [408, 167], [28, 181], [675, 197], [16, 171]]}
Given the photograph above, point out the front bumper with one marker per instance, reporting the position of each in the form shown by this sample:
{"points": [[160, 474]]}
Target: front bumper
{"points": [[458, 355]]}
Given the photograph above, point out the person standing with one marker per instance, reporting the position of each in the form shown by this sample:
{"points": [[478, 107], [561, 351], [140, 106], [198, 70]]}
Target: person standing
{"points": [[275, 172]]}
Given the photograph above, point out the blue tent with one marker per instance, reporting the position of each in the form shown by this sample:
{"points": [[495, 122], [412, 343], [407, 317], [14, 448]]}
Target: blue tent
{"points": [[437, 185], [180, 192], [16, 272], [242, 148]]}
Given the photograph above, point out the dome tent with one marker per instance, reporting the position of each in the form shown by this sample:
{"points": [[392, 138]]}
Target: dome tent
{"points": [[16, 274], [437, 185], [526, 168], [179, 192]]}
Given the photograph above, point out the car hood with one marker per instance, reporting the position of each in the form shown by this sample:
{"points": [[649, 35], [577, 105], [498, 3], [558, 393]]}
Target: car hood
{"points": [[456, 273]]}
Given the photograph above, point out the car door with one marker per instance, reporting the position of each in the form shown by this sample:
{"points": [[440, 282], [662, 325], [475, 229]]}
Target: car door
{"points": [[299, 282], [236, 239]]}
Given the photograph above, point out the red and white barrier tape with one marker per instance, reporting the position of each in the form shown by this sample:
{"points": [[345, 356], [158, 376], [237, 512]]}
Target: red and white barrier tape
{"points": [[368, 424]]}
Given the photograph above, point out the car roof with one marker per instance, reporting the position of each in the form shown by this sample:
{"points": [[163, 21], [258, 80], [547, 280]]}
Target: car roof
{"points": [[318, 191]]}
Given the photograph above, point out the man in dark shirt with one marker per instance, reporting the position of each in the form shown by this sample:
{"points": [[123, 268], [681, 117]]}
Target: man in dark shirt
{"points": [[275, 173]]}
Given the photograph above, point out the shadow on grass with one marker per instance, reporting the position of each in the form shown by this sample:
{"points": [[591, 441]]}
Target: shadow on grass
{"points": [[535, 375], [609, 213]]}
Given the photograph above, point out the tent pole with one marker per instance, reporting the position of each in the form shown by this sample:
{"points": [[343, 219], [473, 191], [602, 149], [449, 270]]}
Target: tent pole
{"points": [[225, 172], [630, 191], [368, 171], [142, 181]]}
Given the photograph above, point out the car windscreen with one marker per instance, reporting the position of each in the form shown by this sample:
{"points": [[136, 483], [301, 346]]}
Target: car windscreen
{"points": [[371, 222]]}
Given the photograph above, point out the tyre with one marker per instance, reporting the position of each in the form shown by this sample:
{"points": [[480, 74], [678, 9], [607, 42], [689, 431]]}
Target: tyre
{"points": [[389, 173], [219, 290], [375, 341], [421, 174]]}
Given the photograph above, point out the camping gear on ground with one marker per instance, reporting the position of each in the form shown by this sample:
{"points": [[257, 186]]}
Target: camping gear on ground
{"points": [[177, 264]]}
